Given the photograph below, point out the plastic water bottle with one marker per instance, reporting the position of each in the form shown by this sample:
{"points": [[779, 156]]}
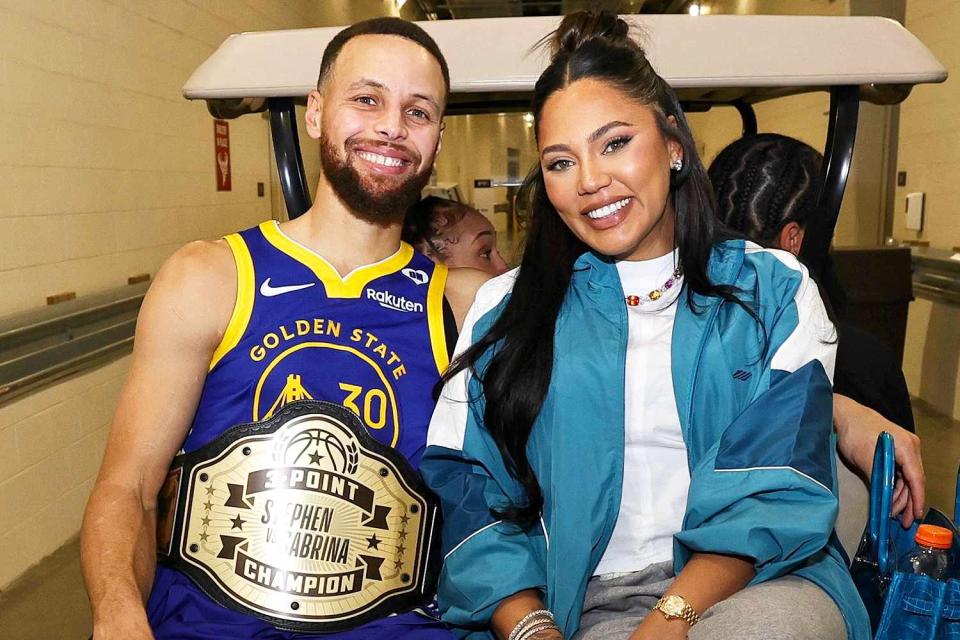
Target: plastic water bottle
{"points": [[931, 557]]}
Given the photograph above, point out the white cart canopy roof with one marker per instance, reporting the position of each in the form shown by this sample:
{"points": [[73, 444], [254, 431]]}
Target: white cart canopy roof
{"points": [[714, 59]]}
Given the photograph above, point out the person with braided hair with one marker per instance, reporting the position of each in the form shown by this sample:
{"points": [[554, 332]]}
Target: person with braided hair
{"points": [[454, 234], [635, 438], [766, 187]]}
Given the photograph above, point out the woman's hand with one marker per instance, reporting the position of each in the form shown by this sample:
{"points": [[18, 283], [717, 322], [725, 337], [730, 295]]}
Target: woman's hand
{"points": [[858, 428]]}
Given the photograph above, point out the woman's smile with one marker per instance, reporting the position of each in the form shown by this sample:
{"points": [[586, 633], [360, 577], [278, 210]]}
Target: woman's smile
{"points": [[609, 215], [606, 169]]}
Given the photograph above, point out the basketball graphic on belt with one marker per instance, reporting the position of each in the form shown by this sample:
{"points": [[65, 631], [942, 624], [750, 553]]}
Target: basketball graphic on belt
{"points": [[321, 447]]}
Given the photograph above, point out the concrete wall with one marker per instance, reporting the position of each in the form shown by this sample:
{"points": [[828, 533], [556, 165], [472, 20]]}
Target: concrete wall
{"points": [[51, 443], [105, 168], [930, 154], [930, 129]]}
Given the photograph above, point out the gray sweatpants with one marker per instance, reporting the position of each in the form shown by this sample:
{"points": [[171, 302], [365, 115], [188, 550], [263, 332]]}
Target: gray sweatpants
{"points": [[788, 608]]}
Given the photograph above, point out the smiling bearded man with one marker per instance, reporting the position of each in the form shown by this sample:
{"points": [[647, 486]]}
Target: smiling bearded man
{"points": [[321, 528], [375, 198]]}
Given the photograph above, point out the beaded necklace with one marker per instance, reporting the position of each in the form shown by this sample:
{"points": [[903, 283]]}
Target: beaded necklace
{"points": [[654, 295]]}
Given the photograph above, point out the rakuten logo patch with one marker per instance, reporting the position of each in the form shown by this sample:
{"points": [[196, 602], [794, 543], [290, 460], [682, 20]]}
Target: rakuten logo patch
{"points": [[395, 302]]}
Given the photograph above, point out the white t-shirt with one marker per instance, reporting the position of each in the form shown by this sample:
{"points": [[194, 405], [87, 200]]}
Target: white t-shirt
{"points": [[655, 473]]}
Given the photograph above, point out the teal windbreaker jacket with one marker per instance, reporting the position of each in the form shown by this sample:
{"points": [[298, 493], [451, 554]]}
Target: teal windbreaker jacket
{"points": [[757, 423]]}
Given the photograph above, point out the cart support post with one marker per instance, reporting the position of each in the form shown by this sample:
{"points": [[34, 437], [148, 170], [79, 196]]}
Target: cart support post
{"points": [[286, 146], [837, 158], [748, 117]]}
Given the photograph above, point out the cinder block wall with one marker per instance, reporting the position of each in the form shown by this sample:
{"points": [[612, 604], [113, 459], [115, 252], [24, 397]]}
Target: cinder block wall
{"points": [[104, 168], [50, 448]]}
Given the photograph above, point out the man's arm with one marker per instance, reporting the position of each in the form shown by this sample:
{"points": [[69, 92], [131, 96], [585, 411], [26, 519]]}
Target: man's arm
{"points": [[461, 289], [180, 324]]}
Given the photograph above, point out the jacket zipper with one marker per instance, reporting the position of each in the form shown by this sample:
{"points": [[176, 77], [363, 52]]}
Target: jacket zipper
{"points": [[624, 333], [711, 318]]}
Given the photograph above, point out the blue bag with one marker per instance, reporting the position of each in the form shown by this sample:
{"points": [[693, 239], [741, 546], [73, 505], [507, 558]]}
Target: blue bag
{"points": [[902, 606]]}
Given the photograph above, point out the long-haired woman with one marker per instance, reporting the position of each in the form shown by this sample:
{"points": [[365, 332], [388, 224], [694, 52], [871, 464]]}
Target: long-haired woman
{"points": [[636, 440]]}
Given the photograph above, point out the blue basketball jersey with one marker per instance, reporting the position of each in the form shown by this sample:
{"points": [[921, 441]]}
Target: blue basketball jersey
{"points": [[373, 341]]}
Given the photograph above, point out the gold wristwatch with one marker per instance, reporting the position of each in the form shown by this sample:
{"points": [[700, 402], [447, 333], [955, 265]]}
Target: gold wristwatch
{"points": [[673, 607]]}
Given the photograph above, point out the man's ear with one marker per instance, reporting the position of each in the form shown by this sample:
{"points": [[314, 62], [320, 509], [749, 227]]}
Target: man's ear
{"points": [[313, 114], [443, 127], [790, 238]]}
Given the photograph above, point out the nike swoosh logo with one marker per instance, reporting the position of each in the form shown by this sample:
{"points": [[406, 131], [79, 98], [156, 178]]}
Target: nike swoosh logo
{"points": [[267, 290]]}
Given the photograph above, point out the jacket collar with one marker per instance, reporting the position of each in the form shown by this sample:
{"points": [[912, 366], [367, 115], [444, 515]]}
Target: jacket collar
{"points": [[596, 270], [726, 259]]}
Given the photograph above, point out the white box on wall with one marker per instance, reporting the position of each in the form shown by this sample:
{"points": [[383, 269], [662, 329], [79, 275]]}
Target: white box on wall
{"points": [[915, 211]]}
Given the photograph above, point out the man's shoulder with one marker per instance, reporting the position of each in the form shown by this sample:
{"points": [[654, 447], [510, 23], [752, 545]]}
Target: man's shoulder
{"points": [[495, 290], [488, 301], [200, 262], [461, 290], [480, 287], [465, 281], [201, 276]]}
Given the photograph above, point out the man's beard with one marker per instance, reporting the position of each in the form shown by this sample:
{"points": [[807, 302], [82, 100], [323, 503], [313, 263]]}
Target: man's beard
{"points": [[381, 200]]}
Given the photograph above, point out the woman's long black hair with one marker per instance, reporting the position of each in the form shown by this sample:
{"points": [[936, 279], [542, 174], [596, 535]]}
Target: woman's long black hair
{"points": [[516, 380]]}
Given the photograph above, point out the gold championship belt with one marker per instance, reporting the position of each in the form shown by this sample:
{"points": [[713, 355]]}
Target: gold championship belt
{"points": [[303, 520]]}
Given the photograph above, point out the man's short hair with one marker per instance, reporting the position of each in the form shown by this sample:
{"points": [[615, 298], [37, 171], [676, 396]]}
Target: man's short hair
{"points": [[382, 27]]}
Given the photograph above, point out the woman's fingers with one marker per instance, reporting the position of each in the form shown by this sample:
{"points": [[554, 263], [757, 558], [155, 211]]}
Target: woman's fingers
{"points": [[901, 494], [910, 465]]}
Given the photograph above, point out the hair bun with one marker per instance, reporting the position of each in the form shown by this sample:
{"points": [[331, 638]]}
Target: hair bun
{"points": [[583, 26]]}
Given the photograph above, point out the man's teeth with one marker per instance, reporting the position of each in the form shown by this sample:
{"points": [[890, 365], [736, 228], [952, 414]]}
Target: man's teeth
{"points": [[607, 210], [379, 159]]}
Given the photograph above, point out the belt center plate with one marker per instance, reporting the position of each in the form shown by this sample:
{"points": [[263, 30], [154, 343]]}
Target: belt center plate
{"points": [[306, 524]]}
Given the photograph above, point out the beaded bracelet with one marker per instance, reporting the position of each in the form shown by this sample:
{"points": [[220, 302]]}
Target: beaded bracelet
{"points": [[534, 616]]}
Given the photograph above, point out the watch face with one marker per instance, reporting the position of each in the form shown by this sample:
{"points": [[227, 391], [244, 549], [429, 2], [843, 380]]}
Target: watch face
{"points": [[673, 605]]}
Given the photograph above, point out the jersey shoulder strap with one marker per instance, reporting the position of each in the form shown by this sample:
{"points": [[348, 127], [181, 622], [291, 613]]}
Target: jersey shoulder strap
{"points": [[243, 304]]}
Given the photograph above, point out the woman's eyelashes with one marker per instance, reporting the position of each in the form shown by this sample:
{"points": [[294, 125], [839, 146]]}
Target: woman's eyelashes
{"points": [[616, 144], [559, 165], [610, 147]]}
